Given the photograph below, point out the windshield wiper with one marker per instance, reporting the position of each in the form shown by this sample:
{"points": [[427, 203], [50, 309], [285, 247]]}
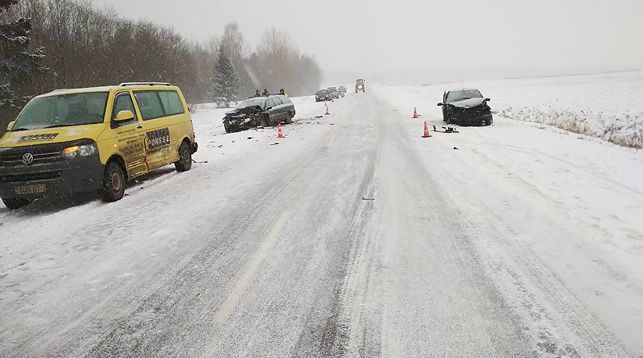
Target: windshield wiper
{"points": [[20, 129], [58, 126]]}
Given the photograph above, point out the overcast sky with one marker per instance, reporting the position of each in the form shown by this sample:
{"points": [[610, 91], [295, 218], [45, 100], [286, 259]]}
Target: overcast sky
{"points": [[374, 35]]}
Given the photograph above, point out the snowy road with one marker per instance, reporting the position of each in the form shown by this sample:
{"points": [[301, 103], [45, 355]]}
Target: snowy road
{"points": [[352, 237]]}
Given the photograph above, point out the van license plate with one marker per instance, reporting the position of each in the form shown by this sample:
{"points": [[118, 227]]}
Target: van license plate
{"points": [[31, 189]]}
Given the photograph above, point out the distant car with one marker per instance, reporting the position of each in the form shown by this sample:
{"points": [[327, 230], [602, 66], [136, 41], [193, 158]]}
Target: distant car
{"points": [[259, 111], [466, 107], [360, 86], [342, 90], [334, 93], [322, 96]]}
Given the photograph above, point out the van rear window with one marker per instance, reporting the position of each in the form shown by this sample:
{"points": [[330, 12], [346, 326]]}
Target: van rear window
{"points": [[157, 104], [171, 103]]}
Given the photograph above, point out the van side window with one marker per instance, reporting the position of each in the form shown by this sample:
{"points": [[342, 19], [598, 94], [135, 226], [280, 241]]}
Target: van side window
{"points": [[278, 101], [149, 103], [123, 102], [171, 103]]}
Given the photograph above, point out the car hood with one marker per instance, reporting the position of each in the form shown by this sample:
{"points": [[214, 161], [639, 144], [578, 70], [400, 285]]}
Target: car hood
{"points": [[468, 103]]}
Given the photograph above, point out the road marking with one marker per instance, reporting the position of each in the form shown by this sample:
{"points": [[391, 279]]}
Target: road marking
{"points": [[239, 288]]}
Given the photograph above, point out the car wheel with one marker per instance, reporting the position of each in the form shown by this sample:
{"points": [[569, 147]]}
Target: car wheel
{"points": [[264, 121], [113, 182], [185, 158], [15, 203], [289, 118]]}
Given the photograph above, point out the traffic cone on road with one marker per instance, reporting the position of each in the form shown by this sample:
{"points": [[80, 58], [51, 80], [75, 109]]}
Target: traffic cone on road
{"points": [[280, 133], [327, 110], [426, 131], [415, 113]]}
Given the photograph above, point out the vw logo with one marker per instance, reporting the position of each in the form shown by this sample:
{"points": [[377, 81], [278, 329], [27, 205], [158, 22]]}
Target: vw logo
{"points": [[27, 158]]}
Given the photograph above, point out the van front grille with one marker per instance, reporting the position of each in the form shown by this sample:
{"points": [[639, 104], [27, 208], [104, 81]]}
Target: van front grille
{"points": [[30, 177]]}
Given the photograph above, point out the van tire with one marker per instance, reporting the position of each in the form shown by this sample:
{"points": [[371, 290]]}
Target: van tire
{"points": [[114, 182], [185, 158], [15, 203]]}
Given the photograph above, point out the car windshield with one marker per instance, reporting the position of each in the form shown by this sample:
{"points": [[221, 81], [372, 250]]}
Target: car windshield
{"points": [[456, 96], [322, 92], [332, 89], [252, 103], [62, 111]]}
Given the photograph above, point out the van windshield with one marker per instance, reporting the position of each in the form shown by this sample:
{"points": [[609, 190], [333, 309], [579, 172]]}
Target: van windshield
{"points": [[62, 111]]}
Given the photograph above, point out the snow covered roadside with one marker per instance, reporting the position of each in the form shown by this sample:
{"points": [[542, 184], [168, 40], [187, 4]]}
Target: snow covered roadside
{"points": [[554, 214], [605, 106]]}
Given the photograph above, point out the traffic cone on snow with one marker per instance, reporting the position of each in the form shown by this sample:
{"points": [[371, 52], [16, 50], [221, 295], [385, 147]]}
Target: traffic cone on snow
{"points": [[280, 133], [327, 110], [415, 113], [426, 131]]}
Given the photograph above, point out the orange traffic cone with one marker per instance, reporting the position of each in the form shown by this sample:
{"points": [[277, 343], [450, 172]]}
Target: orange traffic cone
{"points": [[426, 131], [415, 113], [327, 110], [280, 133]]}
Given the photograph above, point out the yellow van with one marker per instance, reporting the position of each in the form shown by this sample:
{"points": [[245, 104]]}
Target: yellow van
{"points": [[94, 139]]}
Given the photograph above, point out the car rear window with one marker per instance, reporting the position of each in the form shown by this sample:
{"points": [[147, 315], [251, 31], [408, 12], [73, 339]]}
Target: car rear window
{"points": [[285, 100]]}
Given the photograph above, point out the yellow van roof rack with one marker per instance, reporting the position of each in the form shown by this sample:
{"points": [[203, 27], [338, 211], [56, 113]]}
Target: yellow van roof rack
{"points": [[125, 84]]}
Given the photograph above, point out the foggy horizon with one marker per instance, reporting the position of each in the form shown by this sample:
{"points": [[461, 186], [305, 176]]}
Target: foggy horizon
{"points": [[373, 38]]}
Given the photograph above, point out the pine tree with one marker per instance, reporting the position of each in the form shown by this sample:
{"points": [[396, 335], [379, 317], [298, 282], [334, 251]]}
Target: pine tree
{"points": [[225, 84], [18, 61]]}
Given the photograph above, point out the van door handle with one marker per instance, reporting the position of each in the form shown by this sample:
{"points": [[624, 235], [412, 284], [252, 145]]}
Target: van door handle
{"points": [[139, 127]]}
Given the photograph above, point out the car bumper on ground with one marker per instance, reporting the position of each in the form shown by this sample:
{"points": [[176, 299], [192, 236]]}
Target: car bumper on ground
{"points": [[473, 119], [79, 175]]}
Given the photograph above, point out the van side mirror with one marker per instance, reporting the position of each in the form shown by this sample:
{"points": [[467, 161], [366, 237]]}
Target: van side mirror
{"points": [[440, 104], [124, 116], [487, 99], [10, 126]]}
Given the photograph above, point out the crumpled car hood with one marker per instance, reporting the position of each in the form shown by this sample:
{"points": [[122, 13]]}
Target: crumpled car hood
{"points": [[468, 103]]}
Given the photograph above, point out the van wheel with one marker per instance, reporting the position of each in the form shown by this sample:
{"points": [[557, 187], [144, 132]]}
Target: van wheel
{"points": [[113, 182], [15, 203], [185, 158]]}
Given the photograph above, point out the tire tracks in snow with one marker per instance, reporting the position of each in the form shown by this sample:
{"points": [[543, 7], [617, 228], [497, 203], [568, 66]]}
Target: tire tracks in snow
{"points": [[557, 321]]}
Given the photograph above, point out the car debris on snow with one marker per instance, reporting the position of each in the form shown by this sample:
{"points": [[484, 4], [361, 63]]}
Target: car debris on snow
{"points": [[446, 130]]}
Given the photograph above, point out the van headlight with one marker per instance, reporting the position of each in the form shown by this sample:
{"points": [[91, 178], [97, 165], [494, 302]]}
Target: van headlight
{"points": [[84, 150]]}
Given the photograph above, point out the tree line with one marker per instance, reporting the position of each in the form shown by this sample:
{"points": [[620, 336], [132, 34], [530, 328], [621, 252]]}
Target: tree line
{"points": [[69, 44]]}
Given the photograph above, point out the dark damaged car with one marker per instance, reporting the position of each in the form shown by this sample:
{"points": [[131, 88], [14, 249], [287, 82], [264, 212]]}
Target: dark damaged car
{"points": [[466, 107], [322, 96], [259, 112]]}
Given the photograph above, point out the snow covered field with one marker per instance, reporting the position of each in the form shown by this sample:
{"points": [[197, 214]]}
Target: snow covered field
{"points": [[351, 237], [605, 106]]}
